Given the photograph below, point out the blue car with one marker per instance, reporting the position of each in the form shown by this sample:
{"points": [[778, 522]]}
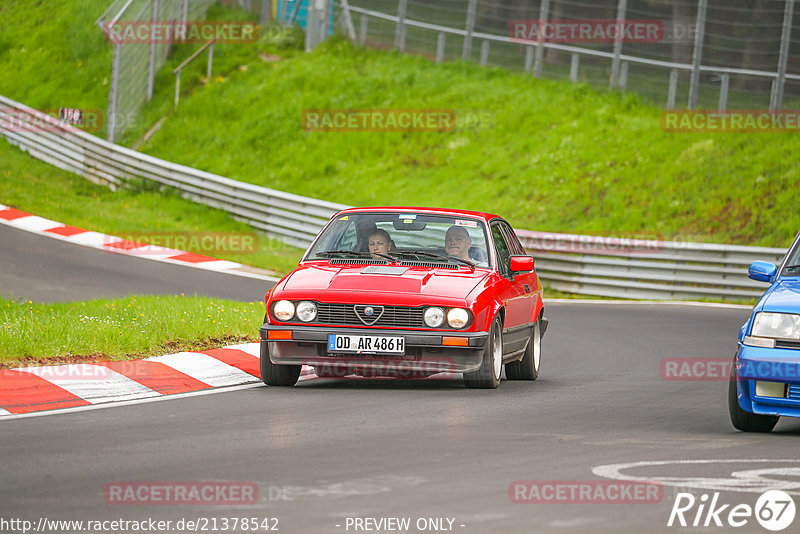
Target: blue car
{"points": [[765, 376]]}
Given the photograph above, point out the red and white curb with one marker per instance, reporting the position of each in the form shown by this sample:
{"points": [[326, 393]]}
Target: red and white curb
{"points": [[116, 245], [26, 390]]}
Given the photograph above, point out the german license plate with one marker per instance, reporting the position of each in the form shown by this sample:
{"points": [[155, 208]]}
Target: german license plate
{"points": [[366, 344]]}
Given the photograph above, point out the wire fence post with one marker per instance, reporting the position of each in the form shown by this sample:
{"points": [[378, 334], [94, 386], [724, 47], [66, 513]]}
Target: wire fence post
{"points": [[210, 62], [776, 97], [400, 29], [484, 52], [623, 76], [112, 93], [470, 27], [622, 7], [347, 21], [697, 56], [151, 67], [544, 13]]}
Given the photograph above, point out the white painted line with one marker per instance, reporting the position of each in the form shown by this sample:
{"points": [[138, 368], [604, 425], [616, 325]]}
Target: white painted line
{"points": [[93, 383], [216, 265], [205, 369], [651, 303], [33, 223]]}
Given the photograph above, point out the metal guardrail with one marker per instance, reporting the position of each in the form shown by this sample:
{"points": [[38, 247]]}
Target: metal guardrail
{"points": [[628, 268], [292, 218]]}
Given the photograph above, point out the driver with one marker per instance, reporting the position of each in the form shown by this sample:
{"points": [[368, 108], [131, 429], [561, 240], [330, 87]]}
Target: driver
{"points": [[380, 242], [457, 242]]}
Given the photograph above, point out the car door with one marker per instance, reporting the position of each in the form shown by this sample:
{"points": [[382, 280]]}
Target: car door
{"points": [[512, 293]]}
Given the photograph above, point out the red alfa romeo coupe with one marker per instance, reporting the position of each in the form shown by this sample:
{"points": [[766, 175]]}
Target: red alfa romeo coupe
{"points": [[407, 292]]}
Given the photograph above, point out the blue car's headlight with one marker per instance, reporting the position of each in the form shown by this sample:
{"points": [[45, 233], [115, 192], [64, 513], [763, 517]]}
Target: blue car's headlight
{"points": [[772, 326]]}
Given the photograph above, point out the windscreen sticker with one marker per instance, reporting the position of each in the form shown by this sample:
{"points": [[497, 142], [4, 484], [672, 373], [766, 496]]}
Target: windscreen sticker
{"points": [[468, 224], [406, 216], [343, 218]]}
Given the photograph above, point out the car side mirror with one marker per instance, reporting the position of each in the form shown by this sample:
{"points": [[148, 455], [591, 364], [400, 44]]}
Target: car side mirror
{"points": [[521, 264], [762, 271]]}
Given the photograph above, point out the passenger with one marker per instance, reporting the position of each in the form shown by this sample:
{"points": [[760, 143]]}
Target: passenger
{"points": [[457, 242], [380, 242]]}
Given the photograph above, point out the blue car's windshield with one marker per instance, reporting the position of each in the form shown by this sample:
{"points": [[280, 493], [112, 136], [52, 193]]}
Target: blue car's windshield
{"points": [[792, 267], [404, 237]]}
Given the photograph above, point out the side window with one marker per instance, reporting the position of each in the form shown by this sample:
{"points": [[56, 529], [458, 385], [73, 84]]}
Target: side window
{"points": [[501, 249], [513, 242]]}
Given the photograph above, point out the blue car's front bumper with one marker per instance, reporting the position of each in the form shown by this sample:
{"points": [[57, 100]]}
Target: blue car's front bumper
{"points": [[769, 365]]}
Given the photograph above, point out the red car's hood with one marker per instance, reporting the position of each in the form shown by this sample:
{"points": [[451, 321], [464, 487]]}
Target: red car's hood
{"points": [[423, 281]]}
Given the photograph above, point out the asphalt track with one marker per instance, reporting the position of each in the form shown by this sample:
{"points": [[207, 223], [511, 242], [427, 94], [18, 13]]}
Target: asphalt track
{"points": [[328, 450]]}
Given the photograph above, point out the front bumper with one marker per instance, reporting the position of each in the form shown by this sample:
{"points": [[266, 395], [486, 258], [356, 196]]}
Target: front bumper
{"points": [[768, 365], [424, 351]]}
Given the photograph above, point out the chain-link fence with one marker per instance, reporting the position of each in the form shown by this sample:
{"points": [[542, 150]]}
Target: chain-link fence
{"points": [[135, 64], [711, 54]]}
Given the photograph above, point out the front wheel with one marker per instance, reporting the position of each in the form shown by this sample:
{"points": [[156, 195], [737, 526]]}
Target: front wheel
{"points": [[277, 375], [528, 367], [488, 375], [744, 420]]}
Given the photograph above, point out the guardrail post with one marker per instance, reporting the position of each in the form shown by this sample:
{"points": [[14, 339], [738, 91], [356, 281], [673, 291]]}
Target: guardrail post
{"points": [[623, 76], [470, 27], [622, 7], [362, 30], [723, 92], [697, 56], [528, 58], [400, 28], [440, 42], [151, 66], [210, 62], [573, 67], [177, 88], [673, 88], [112, 93], [484, 52], [544, 12], [776, 97]]}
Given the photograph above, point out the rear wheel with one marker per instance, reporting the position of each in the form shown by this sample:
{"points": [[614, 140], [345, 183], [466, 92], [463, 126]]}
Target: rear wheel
{"points": [[277, 375], [528, 367], [488, 375], [744, 420]]}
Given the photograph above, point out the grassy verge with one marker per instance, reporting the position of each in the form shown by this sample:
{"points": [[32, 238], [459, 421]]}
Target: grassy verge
{"points": [[121, 329]]}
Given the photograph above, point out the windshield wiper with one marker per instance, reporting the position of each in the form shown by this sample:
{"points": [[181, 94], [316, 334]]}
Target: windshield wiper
{"points": [[357, 253], [437, 257], [793, 267]]}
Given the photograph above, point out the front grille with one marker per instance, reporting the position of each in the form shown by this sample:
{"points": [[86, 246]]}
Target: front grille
{"points": [[345, 314], [794, 392], [783, 344]]}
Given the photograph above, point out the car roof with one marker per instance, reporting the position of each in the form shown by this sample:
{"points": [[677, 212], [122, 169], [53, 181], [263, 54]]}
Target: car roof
{"points": [[428, 211]]}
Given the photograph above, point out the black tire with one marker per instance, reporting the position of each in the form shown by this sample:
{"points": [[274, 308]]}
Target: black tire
{"points": [[277, 375], [488, 375], [744, 420], [528, 367]]}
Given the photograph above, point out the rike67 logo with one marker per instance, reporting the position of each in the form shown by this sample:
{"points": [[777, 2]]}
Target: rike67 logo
{"points": [[774, 510]]}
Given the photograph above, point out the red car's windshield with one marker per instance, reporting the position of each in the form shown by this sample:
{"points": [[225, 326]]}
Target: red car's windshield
{"points": [[404, 236]]}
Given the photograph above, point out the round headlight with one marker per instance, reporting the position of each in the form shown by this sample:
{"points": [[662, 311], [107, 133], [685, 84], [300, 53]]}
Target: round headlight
{"points": [[434, 317], [283, 310], [306, 311], [457, 317]]}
